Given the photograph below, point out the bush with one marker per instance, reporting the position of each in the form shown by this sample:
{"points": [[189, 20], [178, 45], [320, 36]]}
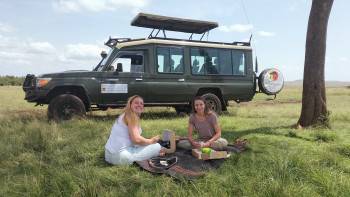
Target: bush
{"points": [[11, 81]]}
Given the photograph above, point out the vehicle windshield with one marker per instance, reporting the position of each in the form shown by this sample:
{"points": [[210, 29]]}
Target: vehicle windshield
{"points": [[102, 63]]}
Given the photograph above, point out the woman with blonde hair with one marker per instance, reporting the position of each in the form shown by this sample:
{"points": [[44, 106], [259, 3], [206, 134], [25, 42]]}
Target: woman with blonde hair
{"points": [[125, 143]]}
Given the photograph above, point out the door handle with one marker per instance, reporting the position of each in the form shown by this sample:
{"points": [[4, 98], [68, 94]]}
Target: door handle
{"points": [[182, 80], [138, 79]]}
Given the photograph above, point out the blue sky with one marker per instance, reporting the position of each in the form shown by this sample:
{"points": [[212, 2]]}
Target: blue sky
{"points": [[42, 36]]}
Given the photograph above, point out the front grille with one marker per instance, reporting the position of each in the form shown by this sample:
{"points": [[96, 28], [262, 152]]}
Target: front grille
{"points": [[29, 81]]}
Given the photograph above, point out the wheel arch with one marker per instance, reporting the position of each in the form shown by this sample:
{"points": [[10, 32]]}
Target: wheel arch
{"points": [[216, 91], [78, 91]]}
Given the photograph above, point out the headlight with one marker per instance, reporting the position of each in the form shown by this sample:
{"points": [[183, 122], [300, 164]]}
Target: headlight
{"points": [[41, 82]]}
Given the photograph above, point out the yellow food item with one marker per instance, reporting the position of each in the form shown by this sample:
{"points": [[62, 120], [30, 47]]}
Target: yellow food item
{"points": [[206, 150]]}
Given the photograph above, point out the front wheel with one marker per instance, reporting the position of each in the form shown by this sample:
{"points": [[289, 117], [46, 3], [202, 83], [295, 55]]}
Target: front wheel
{"points": [[213, 102], [65, 107]]}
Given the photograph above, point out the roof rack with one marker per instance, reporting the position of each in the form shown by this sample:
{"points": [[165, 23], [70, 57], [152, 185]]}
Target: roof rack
{"points": [[244, 43], [241, 43], [112, 42], [162, 23]]}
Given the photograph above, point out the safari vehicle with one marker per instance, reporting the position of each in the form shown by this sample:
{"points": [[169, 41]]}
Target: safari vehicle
{"points": [[164, 71]]}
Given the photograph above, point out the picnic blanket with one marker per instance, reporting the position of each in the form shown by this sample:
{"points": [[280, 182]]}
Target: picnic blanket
{"points": [[187, 166]]}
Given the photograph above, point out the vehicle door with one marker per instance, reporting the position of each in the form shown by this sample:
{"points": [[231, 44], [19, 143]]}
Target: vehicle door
{"points": [[124, 77], [170, 77]]}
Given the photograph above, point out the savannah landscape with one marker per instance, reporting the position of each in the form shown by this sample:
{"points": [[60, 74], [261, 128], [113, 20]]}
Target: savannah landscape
{"points": [[42, 158]]}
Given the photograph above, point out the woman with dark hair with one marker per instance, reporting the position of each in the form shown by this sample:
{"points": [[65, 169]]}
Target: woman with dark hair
{"points": [[125, 144], [206, 124]]}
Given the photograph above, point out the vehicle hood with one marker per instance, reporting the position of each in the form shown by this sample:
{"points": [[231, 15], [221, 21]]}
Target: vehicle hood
{"points": [[69, 74]]}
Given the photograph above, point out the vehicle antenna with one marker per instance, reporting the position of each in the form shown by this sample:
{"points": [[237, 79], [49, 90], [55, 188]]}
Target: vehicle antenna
{"points": [[251, 33]]}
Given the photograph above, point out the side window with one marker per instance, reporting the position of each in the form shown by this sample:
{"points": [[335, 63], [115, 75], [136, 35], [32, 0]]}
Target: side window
{"points": [[197, 62], [163, 60], [225, 62], [128, 62], [238, 61], [170, 60], [204, 61]]}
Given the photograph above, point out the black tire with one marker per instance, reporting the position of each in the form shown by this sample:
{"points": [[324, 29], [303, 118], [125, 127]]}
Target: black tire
{"points": [[213, 102], [65, 107], [183, 110]]}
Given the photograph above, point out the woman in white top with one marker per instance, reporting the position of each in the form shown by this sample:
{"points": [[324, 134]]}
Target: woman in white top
{"points": [[125, 144]]}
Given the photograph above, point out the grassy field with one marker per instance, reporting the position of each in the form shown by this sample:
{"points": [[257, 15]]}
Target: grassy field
{"points": [[38, 158]]}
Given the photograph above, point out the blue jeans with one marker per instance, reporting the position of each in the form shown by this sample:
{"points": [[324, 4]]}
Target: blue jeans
{"points": [[133, 153]]}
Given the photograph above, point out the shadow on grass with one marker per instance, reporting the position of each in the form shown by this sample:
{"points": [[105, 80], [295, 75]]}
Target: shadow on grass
{"points": [[24, 116], [101, 117], [100, 160], [160, 115], [151, 115], [265, 131]]}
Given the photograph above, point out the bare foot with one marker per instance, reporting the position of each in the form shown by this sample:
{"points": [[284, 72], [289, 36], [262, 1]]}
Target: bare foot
{"points": [[162, 152]]}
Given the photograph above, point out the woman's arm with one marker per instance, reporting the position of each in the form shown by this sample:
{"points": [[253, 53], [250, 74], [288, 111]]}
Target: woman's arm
{"points": [[215, 137], [136, 138], [190, 131]]}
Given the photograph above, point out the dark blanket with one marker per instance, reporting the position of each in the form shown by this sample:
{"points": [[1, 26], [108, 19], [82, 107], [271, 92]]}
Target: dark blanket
{"points": [[187, 166]]}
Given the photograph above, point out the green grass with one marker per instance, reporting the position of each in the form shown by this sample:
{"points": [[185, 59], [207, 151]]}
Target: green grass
{"points": [[40, 158]]}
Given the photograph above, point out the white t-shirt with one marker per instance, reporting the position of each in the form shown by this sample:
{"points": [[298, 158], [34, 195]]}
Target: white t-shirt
{"points": [[119, 138]]}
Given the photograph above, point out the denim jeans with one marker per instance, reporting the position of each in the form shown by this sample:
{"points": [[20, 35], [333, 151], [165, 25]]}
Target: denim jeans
{"points": [[133, 153]]}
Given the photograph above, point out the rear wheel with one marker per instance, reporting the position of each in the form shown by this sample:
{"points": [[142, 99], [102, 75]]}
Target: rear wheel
{"points": [[183, 110], [65, 107], [213, 102]]}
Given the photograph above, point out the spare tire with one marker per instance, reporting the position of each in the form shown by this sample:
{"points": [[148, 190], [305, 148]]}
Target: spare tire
{"points": [[65, 107], [271, 81]]}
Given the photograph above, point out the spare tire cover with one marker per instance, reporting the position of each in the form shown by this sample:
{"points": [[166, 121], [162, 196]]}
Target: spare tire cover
{"points": [[271, 81]]}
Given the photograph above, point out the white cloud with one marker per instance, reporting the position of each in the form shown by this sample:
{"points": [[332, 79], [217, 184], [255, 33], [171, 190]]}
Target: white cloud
{"points": [[344, 59], [19, 56], [296, 5], [15, 49], [6, 28], [241, 28], [266, 33], [81, 51], [13, 55], [66, 6], [40, 47], [97, 5]]}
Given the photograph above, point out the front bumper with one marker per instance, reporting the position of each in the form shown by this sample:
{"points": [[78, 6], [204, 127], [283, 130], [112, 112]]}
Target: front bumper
{"points": [[32, 93]]}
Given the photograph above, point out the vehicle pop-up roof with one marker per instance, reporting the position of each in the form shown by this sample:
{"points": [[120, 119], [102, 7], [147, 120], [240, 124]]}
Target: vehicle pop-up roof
{"points": [[173, 23], [162, 23]]}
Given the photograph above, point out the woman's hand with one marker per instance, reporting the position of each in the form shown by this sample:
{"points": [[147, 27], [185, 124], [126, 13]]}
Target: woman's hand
{"points": [[195, 144], [162, 152], [206, 144], [155, 139]]}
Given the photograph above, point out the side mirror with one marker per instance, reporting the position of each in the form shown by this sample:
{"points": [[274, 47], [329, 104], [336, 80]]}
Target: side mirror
{"points": [[119, 67], [256, 64], [103, 54]]}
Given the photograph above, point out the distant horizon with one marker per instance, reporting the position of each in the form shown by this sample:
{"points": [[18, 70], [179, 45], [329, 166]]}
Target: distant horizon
{"points": [[298, 80]]}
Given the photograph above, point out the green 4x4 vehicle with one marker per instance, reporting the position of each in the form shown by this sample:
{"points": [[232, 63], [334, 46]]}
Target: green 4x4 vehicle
{"points": [[164, 71]]}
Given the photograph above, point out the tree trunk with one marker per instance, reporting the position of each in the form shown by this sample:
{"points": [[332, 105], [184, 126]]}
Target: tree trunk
{"points": [[314, 108]]}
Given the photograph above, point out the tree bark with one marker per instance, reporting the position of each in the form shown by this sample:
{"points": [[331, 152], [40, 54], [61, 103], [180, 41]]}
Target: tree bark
{"points": [[314, 108]]}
